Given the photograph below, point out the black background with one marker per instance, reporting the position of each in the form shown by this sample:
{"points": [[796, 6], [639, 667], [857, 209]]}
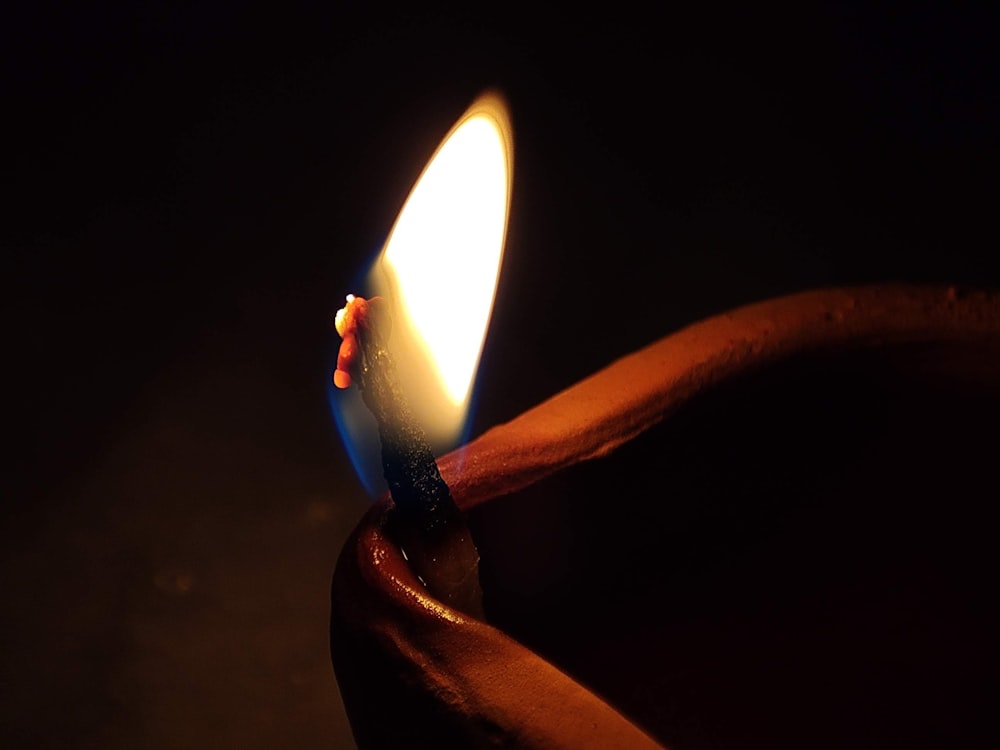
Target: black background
{"points": [[191, 189]]}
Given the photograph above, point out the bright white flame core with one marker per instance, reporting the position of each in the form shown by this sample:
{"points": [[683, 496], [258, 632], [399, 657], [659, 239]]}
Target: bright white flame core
{"points": [[441, 263], [445, 250]]}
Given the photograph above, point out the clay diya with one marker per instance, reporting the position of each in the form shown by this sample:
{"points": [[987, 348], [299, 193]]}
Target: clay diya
{"points": [[766, 529]]}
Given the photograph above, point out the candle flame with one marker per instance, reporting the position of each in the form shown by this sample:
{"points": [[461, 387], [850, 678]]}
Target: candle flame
{"points": [[440, 267]]}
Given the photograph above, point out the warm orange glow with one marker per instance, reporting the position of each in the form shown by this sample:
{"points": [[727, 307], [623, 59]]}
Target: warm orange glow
{"points": [[440, 266]]}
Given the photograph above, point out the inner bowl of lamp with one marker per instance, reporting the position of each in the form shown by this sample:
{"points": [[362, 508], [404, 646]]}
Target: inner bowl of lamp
{"points": [[782, 539]]}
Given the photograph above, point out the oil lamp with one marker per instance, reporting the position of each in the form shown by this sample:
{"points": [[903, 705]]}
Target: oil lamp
{"points": [[767, 528]]}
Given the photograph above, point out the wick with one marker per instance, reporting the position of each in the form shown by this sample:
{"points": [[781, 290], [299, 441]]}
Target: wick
{"points": [[409, 466], [432, 532]]}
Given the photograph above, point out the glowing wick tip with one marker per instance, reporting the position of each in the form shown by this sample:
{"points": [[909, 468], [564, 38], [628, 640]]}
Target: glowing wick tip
{"points": [[346, 324]]}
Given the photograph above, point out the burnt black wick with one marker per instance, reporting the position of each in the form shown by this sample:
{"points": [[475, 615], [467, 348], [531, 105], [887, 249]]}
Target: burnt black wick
{"points": [[425, 521]]}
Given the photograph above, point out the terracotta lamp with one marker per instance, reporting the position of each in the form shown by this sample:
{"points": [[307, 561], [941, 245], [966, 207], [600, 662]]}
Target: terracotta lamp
{"points": [[768, 529]]}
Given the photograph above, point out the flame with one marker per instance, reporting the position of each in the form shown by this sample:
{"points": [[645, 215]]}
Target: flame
{"points": [[441, 264], [440, 267]]}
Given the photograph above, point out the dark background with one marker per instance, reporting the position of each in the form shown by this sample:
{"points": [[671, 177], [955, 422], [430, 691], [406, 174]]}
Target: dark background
{"points": [[192, 188]]}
